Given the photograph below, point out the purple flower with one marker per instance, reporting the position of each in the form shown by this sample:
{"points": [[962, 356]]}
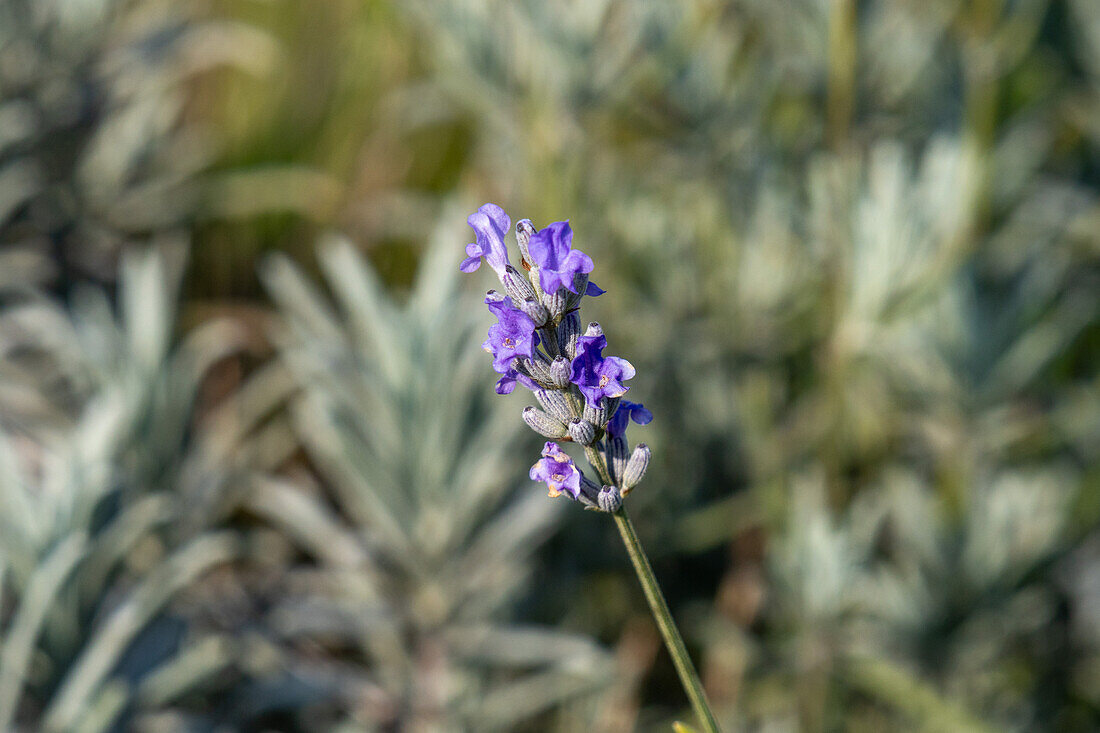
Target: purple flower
{"points": [[551, 249], [490, 224], [598, 376], [557, 470], [512, 335], [628, 411], [507, 383]]}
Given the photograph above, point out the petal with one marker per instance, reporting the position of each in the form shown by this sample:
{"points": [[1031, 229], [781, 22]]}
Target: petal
{"points": [[593, 290], [549, 280], [486, 223], [470, 264], [622, 366], [505, 385], [577, 261], [497, 216], [641, 415]]}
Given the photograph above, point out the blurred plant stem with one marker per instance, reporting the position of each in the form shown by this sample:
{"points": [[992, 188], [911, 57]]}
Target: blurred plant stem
{"points": [[842, 71], [673, 640]]}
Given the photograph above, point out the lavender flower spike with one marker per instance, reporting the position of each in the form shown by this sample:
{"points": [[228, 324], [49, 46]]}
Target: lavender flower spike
{"points": [[490, 224], [557, 470], [597, 376], [513, 335], [628, 411], [541, 340], [551, 249]]}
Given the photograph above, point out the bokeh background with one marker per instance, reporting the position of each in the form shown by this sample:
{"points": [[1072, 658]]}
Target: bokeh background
{"points": [[253, 475]]}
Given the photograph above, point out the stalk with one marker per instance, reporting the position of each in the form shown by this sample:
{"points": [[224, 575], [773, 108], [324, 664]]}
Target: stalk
{"points": [[689, 678]]}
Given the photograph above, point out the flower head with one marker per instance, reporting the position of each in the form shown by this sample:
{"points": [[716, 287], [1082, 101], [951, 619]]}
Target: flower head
{"points": [[596, 375], [490, 224], [551, 249], [557, 470], [628, 411], [512, 335]]}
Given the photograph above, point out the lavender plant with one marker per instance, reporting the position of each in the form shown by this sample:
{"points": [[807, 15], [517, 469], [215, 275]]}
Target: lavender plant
{"points": [[537, 342]]}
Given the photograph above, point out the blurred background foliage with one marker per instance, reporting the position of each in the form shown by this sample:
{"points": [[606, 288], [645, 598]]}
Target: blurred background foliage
{"points": [[252, 472]]}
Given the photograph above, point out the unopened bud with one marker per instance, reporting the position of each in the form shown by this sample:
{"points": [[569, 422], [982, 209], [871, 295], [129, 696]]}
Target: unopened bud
{"points": [[581, 431], [568, 331], [557, 301], [609, 499], [597, 414], [535, 310], [517, 286], [524, 230], [555, 403], [536, 369], [594, 329], [544, 424], [560, 372], [635, 468], [616, 456]]}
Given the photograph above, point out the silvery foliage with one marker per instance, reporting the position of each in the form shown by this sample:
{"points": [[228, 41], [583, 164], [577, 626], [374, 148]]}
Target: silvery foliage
{"points": [[94, 153], [110, 494], [418, 543]]}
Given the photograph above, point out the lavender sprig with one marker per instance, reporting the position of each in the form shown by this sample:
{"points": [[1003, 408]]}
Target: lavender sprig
{"points": [[537, 342]]}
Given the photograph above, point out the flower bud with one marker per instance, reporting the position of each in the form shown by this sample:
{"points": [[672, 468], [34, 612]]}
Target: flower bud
{"points": [[598, 415], [544, 424], [517, 286], [524, 230], [616, 456], [560, 372], [635, 468], [594, 329], [609, 499], [556, 303], [581, 431], [535, 310], [555, 403], [568, 331], [537, 369]]}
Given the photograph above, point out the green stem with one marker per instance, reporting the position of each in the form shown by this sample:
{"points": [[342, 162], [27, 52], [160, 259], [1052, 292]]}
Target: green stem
{"points": [[689, 678]]}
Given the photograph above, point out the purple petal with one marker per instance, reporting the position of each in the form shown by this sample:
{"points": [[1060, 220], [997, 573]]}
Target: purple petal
{"points": [[622, 366], [490, 224], [593, 290], [497, 216], [470, 264]]}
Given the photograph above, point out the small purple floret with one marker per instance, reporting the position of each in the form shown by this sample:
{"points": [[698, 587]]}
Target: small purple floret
{"points": [[557, 470], [551, 249], [512, 335], [635, 411], [597, 376], [489, 223], [507, 383]]}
